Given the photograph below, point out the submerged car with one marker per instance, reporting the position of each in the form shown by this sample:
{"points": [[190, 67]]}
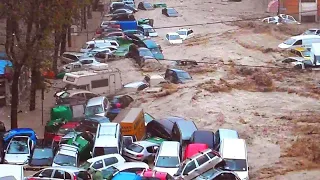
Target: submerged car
{"points": [[73, 96], [177, 76], [173, 38], [18, 150], [170, 12], [140, 54], [141, 151], [145, 6], [147, 30], [185, 33]]}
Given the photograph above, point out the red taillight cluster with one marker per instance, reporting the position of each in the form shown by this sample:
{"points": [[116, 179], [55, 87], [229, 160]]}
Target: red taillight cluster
{"points": [[139, 155], [74, 177], [99, 31]]}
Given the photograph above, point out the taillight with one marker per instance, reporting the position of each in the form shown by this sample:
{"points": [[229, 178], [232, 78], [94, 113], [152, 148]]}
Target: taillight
{"points": [[99, 31], [74, 177], [139, 155]]}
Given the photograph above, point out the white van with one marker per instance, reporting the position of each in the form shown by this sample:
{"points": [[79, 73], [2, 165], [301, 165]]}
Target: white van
{"points": [[234, 153], [11, 171], [168, 157], [304, 41], [315, 54], [99, 79], [97, 44], [108, 140]]}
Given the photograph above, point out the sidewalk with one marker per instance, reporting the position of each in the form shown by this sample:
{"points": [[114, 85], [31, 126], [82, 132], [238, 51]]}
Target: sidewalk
{"points": [[34, 119]]}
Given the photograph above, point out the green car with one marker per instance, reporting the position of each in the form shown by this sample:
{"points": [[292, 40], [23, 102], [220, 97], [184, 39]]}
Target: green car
{"points": [[145, 21], [159, 5], [155, 140]]}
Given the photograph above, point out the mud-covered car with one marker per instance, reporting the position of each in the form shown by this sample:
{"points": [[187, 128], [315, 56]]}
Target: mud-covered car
{"points": [[145, 6], [170, 12], [177, 76]]}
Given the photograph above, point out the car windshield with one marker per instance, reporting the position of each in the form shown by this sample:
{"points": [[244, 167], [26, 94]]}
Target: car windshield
{"points": [[306, 53], [145, 52], [64, 131], [183, 75], [167, 161], [64, 160], [289, 41], [99, 151], [209, 174], [85, 165], [148, 117], [150, 30], [235, 164], [182, 32], [18, 147], [310, 32], [135, 148], [93, 110], [155, 50], [172, 11], [42, 153], [174, 37], [64, 95]]}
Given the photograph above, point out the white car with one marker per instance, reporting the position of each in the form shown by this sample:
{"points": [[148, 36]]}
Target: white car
{"points": [[84, 62], [67, 155], [18, 150], [103, 162], [185, 33], [168, 157], [140, 151], [173, 38], [63, 172], [14, 171], [285, 19]]}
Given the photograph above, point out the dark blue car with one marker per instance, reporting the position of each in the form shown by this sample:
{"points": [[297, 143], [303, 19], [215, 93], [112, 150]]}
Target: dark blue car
{"points": [[19, 132]]}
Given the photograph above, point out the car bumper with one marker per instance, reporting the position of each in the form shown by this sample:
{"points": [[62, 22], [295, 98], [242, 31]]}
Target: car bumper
{"points": [[132, 159]]}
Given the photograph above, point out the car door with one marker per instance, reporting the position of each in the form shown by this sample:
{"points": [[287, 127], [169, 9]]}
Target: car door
{"points": [[188, 168], [152, 150], [110, 161]]}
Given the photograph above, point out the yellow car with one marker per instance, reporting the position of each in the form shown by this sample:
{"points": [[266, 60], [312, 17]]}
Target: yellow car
{"points": [[301, 52]]}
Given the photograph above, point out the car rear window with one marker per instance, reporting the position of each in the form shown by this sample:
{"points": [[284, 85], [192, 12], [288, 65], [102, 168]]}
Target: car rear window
{"points": [[99, 151], [135, 147]]}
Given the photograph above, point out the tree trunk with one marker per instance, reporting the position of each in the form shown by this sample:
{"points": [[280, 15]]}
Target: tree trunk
{"points": [[89, 11], [63, 47], [57, 42], [33, 89], [15, 97], [69, 36], [84, 17]]}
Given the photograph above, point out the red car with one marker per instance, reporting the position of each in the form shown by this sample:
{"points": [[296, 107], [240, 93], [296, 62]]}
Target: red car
{"points": [[65, 129], [155, 175], [193, 149]]}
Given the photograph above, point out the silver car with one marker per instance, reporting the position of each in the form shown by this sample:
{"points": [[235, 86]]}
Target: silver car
{"points": [[140, 151]]}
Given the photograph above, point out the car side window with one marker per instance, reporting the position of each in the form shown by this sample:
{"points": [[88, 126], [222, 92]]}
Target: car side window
{"points": [[58, 174], [151, 149], [110, 161], [98, 164], [299, 42], [189, 167], [202, 159], [46, 173], [67, 176], [167, 36], [190, 32]]}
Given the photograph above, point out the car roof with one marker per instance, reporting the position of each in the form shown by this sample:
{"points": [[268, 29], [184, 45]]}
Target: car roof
{"points": [[21, 130], [178, 70], [228, 133], [102, 157], [96, 101], [184, 29], [145, 143], [152, 173], [128, 165], [172, 33], [228, 147], [168, 150], [71, 169], [127, 176], [76, 91], [70, 124], [306, 37], [195, 148], [146, 26], [106, 141]]}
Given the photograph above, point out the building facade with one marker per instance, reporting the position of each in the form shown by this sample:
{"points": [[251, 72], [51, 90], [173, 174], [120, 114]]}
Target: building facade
{"points": [[302, 10]]}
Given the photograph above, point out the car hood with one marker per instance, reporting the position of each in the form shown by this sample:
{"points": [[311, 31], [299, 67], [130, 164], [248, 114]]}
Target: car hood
{"points": [[284, 46], [170, 171], [41, 162], [16, 158], [183, 37], [242, 174], [134, 84]]}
